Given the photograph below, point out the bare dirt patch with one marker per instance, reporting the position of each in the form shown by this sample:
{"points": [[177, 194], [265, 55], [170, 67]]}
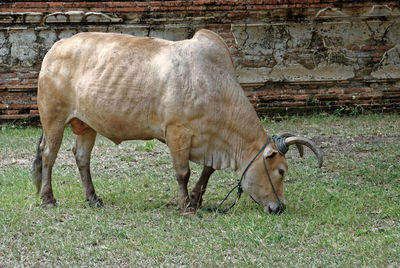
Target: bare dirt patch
{"points": [[333, 145]]}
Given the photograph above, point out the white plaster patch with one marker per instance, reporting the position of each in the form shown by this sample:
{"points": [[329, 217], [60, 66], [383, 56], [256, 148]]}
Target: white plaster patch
{"points": [[389, 65], [23, 47]]}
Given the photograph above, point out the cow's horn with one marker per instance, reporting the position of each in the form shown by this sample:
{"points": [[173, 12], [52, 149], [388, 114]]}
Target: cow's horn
{"points": [[299, 146], [303, 141]]}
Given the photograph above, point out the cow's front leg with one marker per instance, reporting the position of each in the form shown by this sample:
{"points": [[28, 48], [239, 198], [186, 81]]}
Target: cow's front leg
{"points": [[196, 196], [179, 141], [182, 176]]}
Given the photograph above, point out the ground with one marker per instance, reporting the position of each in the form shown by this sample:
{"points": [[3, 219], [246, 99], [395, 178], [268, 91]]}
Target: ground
{"points": [[345, 214]]}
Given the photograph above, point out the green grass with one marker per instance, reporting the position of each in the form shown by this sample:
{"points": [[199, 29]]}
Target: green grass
{"points": [[345, 214]]}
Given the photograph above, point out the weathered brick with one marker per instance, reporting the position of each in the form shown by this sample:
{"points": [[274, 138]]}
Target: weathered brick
{"points": [[56, 4], [11, 81], [346, 96], [393, 89], [29, 81], [156, 3], [301, 97], [377, 95], [130, 9], [28, 5], [17, 106], [196, 8], [204, 2], [293, 104], [27, 75], [82, 4], [169, 8], [253, 99], [7, 75], [142, 4], [267, 92], [220, 28], [227, 36], [335, 90], [8, 112], [19, 87], [175, 3], [120, 4], [13, 117], [22, 10], [356, 90]]}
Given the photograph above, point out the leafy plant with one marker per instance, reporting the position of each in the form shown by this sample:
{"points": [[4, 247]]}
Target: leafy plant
{"points": [[315, 101], [266, 120], [356, 110], [339, 111], [147, 147]]}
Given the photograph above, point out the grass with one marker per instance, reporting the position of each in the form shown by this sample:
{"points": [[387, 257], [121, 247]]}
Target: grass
{"points": [[345, 214]]}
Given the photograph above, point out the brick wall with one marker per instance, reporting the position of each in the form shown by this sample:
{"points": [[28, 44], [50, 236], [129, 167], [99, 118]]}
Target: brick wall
{"points": [[291, 56]]}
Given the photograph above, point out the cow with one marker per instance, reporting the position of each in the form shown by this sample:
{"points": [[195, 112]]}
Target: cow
{"points": [[182, 93]]}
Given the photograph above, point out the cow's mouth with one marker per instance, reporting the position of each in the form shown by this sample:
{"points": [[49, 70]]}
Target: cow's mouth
{"points": [[279, 209]]}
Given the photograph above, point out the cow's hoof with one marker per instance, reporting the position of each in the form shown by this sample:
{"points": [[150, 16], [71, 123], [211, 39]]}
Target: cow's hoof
{"points": [[96, 203], [195, 202], [49, 204]]}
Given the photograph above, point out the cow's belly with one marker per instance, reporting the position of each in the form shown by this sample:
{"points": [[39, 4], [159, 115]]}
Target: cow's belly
{"points": [[119, 109], [119, 124]]}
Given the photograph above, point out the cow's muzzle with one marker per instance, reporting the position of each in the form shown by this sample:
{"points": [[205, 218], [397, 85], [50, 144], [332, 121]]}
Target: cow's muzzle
{"points": [[278, 209]]}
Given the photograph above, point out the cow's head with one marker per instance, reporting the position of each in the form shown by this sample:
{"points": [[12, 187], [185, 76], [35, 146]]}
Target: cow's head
{"points": [[264, 179]]}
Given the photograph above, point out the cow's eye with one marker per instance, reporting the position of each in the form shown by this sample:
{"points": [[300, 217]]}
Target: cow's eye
{"points": [[281, 172]]}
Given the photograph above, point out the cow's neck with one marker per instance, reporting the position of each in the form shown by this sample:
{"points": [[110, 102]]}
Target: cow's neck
{"points": [[248, 149], [248, 134]]}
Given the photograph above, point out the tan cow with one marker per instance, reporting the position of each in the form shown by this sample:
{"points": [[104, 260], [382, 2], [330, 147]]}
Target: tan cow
{"points": [[182, 93]]}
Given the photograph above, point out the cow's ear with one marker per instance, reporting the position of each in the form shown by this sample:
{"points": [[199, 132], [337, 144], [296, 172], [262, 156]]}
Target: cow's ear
{"points": [[269, 152]]}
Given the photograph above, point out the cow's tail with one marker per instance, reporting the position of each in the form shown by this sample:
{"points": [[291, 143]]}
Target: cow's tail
{"points": [[37, 166]]}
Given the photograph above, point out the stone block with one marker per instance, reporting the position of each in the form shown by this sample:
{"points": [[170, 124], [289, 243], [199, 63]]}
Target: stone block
{"points": [[75, 16], [23, 47], [136, 30], [253, 75], [56, 17], [300, 35], [379, 11], [6, 17], [4, 48], [48, 37], [99, 17], [389, 66], [33, 17], [330, 13], [170, 32], [393, 33], [67, 33]]}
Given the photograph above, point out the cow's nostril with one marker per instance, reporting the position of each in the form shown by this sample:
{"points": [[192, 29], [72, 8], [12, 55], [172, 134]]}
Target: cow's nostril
{"points": [[278, 210]]}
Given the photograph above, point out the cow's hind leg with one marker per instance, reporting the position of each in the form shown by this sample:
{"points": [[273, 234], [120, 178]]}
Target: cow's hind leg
{"points": [[82, 150], [51, 144], [196, 196], [178, 141]]}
